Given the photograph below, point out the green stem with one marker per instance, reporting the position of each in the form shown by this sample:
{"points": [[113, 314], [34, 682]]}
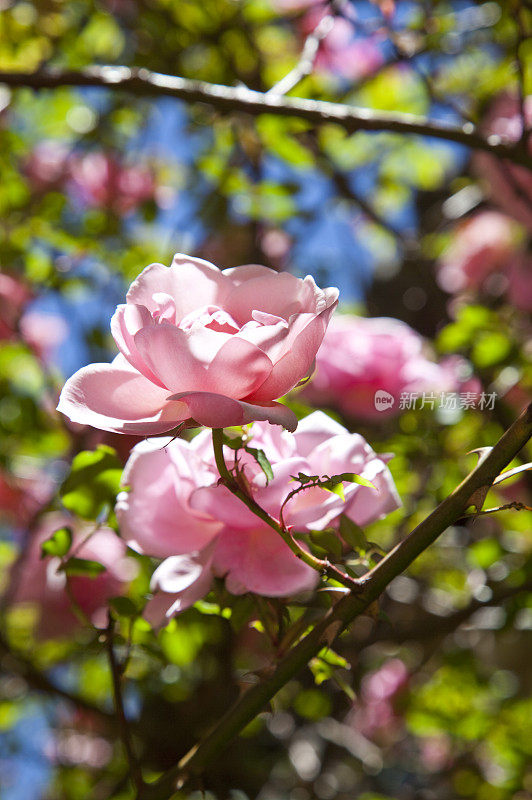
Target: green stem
{"points": [[318, 564], [344, 612]]}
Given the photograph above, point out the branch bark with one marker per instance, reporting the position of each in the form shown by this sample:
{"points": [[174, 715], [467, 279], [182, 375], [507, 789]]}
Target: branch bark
{"points": [[345, 611], [231, 99]]}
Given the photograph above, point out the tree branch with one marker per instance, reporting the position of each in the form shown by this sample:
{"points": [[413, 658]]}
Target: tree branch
{"points": [[229, 99], [345, 611]]}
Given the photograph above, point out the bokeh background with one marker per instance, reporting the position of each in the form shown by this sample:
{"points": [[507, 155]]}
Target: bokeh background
{"points": [[428, 698]]}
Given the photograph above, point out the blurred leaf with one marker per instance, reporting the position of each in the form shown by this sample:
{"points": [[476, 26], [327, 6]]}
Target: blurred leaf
{"points": [[93, 482], [82, 567], [58, 544]]}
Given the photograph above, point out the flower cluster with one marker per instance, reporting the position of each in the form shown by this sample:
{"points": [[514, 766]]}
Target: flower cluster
{"points": [[205, 347], [177, 509]]}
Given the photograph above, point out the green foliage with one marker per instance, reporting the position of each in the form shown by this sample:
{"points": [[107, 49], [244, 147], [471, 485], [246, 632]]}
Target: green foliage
{"points": [[58, 544], [93, 483]]}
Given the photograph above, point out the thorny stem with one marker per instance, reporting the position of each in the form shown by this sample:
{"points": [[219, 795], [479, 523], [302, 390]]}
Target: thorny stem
{"points": [[320, 565]]}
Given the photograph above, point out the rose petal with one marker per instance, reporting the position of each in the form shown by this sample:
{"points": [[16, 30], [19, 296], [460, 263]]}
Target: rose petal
{"points": [[154, 517], [115, 397], [259, 561], [192, 282], [218, 411], [302, 344], [127, 320]]}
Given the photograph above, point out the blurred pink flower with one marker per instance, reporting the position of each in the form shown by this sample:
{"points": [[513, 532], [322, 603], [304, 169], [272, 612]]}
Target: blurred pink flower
{"points": [[102, 181], [363, 358], [43, 332], [203, 346], [13, 297], [21, 497], [176, 508], [485, 243], [488, 254], [520, 282], [340, 52], [510, 186], [47, 166], [375, 713], [38, 582]]}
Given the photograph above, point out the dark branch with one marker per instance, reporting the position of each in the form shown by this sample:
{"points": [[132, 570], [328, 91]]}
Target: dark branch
{"points": [[125, 733], [230, 99]]}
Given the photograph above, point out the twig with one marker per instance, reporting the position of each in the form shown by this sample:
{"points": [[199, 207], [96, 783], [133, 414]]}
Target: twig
{"points": [[125, 734], [520, 38], [345, 611], [233, 99], [322, 566], [307, 58]]}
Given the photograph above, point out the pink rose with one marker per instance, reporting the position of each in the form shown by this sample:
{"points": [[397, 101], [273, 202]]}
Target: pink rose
{"points": [[520, 282], [13, 297], [361, 357], [43, 332], [484, 244], [47, 166], [510, 185], [176, 508], [100, 180], [203, 346], [38, 582]]}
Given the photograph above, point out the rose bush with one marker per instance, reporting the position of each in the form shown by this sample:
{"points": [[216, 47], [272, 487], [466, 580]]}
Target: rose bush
{"points": [[360, 356], [176, 509], [199, 345]]}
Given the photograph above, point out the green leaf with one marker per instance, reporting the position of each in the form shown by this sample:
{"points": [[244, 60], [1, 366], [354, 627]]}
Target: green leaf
{"points": [[262, 460], [352, 534], [334, 487], [83, 567], [234, 442], [124, 606], [93, 482], [327, 540], [351, 477], [58, 544]]}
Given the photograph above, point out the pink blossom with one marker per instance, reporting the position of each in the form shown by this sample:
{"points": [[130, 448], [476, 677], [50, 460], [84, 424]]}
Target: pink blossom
{"points": [[375, 713], [13, 297], [203, 346], [38, 581], [47, 166], [21, 497], [510, 185], [176, 508], [102, 181], [362, 356], [340, 51], [484, 244], [43, 332], [520, 282]]}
